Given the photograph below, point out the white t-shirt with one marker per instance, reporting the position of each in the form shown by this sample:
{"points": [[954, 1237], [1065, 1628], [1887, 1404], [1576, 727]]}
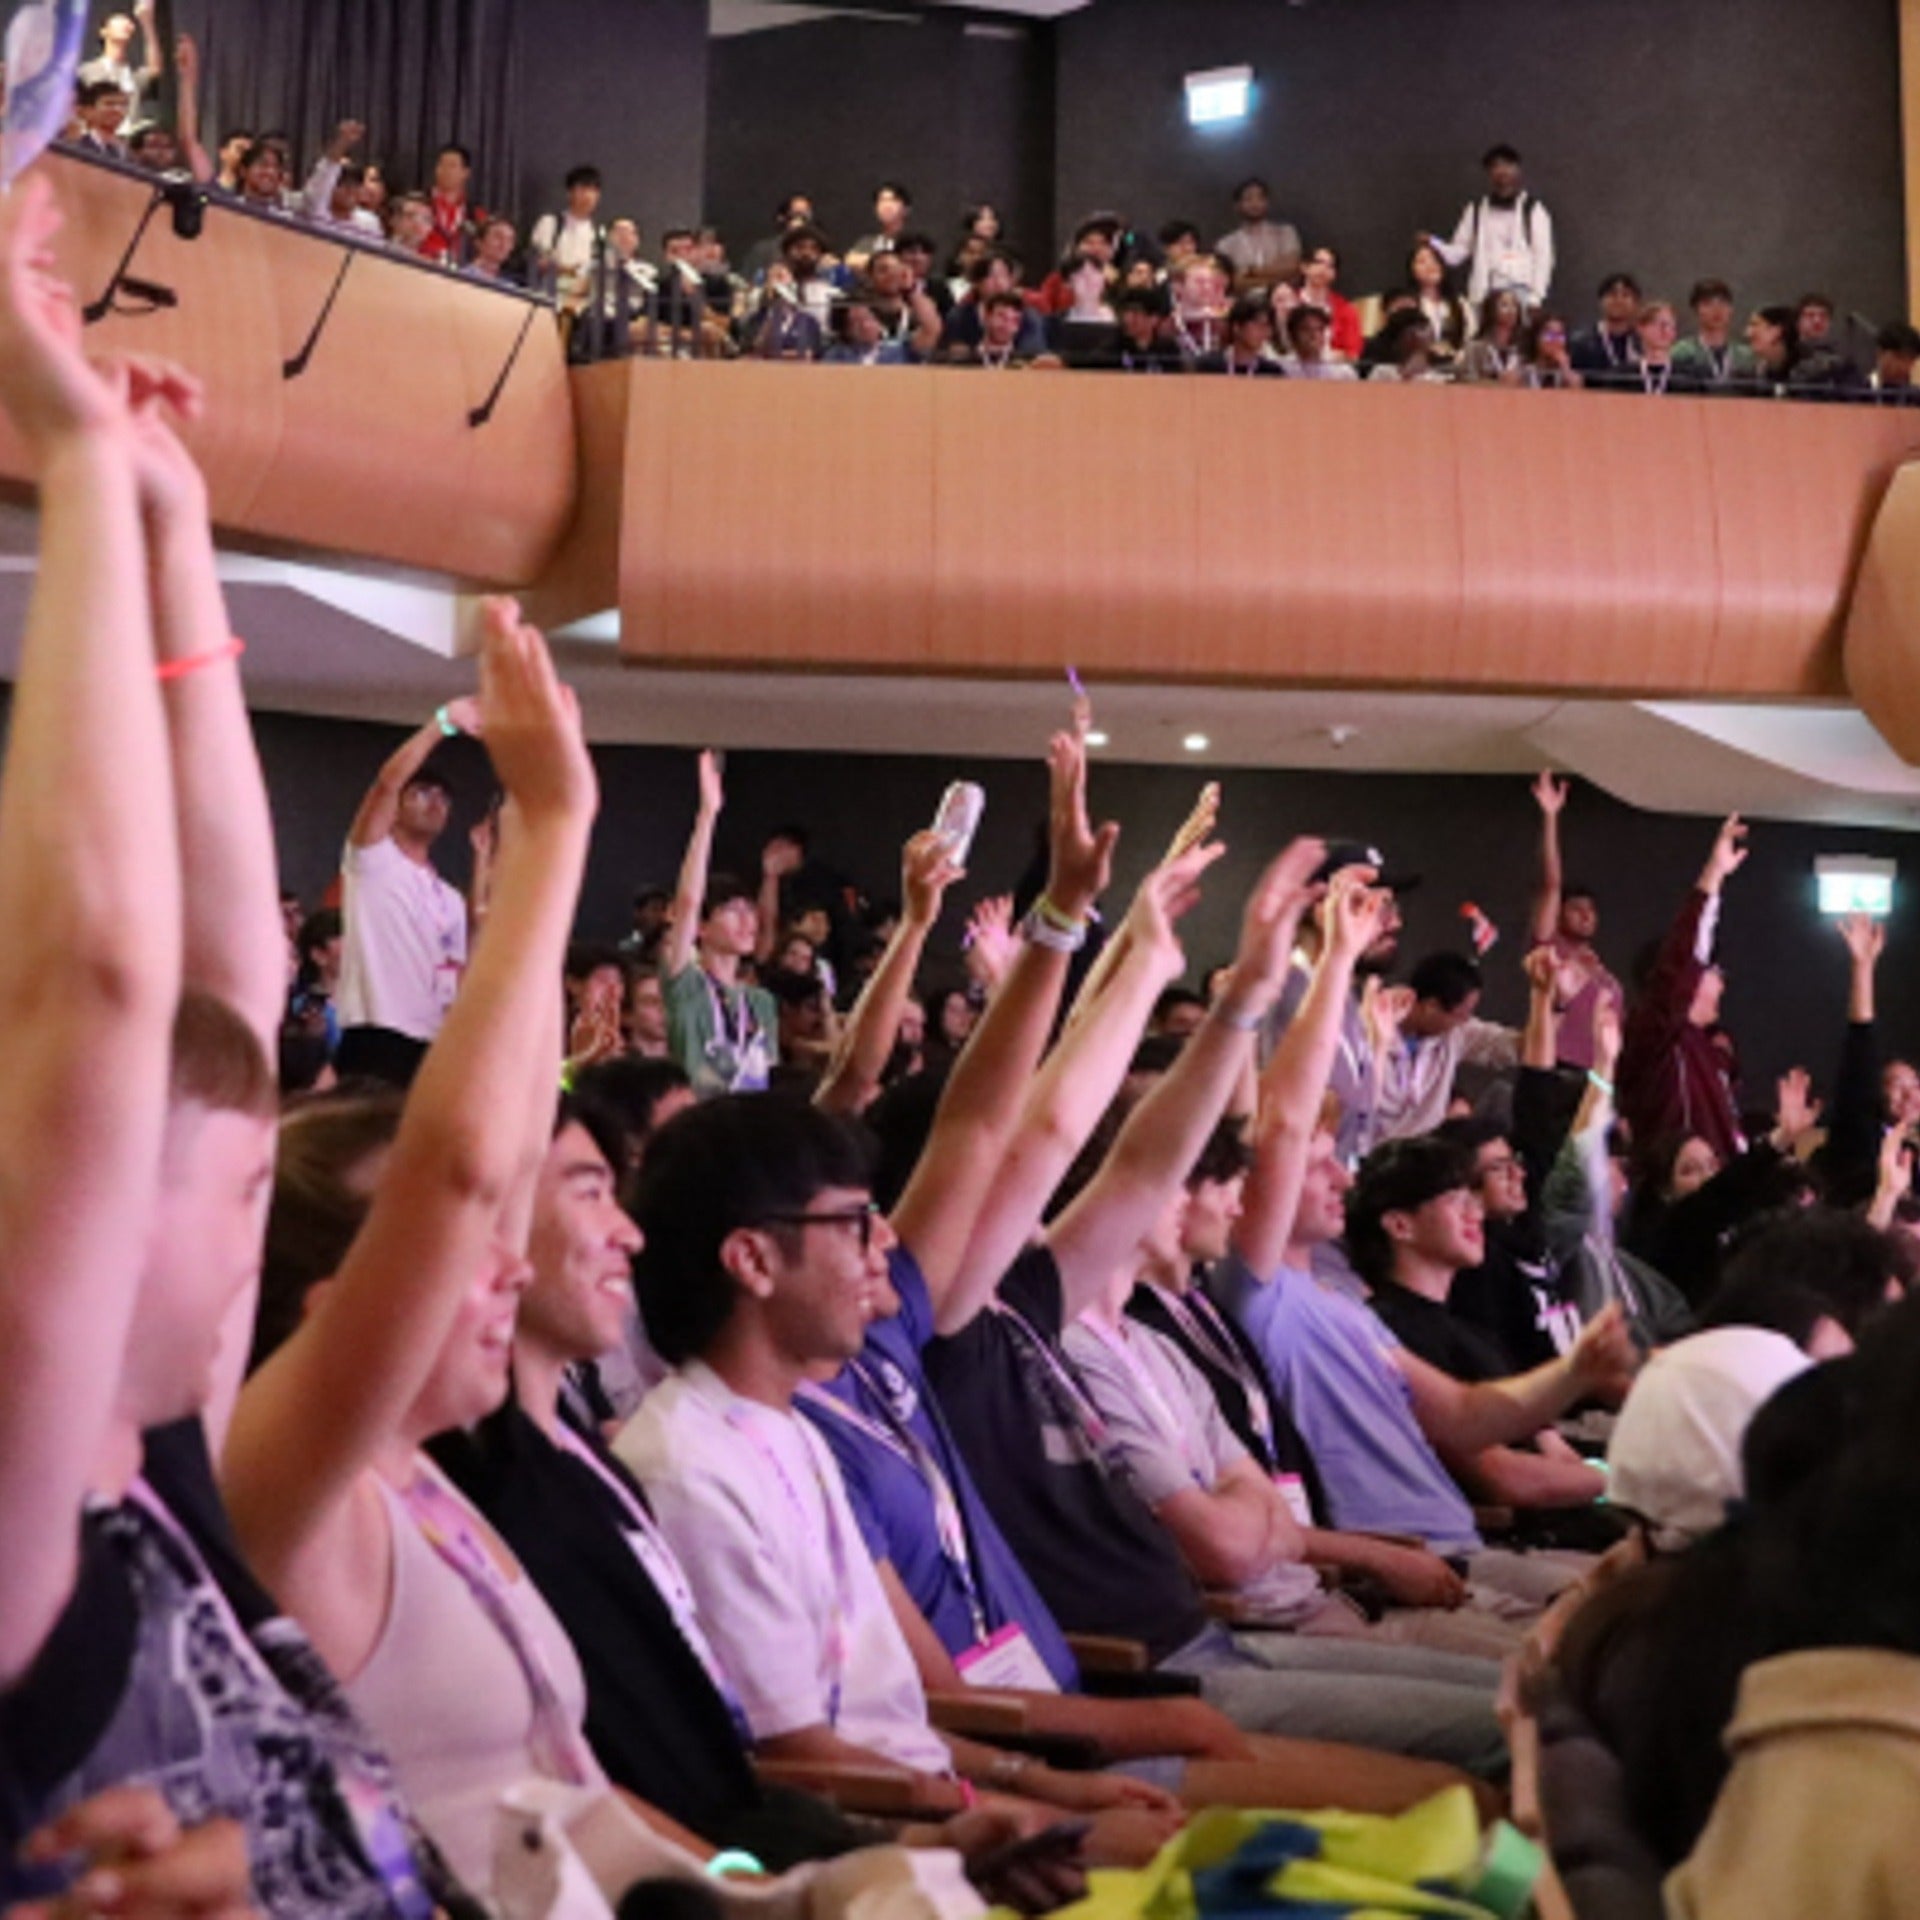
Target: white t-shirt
{"points": [[405, 942], [754, 1507]]}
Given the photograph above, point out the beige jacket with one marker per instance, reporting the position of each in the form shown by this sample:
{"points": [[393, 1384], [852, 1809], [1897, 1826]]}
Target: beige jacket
{"points": [[1818, 1815]]}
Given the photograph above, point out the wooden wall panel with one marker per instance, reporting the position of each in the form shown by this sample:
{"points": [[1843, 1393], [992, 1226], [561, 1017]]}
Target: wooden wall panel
{"points": [[1588, 541], [368, 454], [794, 523], [1064, 525], [1794, 491], [1265, 533], [1882, 644], [1321, 555]]}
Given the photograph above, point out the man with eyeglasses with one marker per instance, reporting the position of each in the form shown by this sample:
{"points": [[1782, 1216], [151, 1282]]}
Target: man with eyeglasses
{"points": [[764, 1263]]}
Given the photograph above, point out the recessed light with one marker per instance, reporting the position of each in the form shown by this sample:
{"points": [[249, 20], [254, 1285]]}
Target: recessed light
{"points": [[1096, 738], [1196, 743]]}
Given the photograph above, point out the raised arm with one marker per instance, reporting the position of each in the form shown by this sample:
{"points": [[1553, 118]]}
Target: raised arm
{"points": [[1295, 1080], [1550, 796], [1163, 1136], [853, 1075], [153, 61], [1077, 1084], [690, 891], [981, 1104], [1854, 1139], [89, 890], [380, 806], [317, 1413], [778, 858], [186, 62], [235, 941]]}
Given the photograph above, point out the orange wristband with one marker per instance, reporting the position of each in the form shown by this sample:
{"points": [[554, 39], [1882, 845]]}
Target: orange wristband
{"points": [[179, 669]]}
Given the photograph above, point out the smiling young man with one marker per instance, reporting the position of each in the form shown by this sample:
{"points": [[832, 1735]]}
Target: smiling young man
{"points": [[765, 1262]]}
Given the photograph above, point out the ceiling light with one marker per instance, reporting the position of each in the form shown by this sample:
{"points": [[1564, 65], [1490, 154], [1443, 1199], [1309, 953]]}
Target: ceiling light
{"points": [[1196, 743], [1096, 738]]}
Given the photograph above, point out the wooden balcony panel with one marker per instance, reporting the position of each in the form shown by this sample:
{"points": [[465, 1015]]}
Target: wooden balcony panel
{"points": [[368, 454]]}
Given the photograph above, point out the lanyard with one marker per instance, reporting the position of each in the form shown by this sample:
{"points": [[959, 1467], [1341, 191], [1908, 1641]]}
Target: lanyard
{"points": [[900, 1439], [1720, 359], [383, 1834], [838, 1650], [1623, 355], [1117, 1343], [738, 1057], [662, 1566], [1654, 379], [1205, 343], [445, 1524], [1072, 1399], [987, 360], [1198, 1318]]}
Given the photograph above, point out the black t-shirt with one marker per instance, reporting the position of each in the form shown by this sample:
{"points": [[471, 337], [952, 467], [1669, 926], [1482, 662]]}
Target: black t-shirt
{"points": [[1101, 1561], [1277, 1446], [1439, 1336], [654, 1718], [1514, 1298]]}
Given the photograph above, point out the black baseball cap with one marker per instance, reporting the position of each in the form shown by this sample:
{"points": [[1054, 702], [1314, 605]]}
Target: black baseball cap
{"points": [[1358, 853]]}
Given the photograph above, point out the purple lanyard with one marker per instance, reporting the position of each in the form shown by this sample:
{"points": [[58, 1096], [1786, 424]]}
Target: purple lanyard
{"points": [[662, 1566], [1196, 1316], [900, 1439], [838, 1649], [1075, 1402], [558, 1749]]}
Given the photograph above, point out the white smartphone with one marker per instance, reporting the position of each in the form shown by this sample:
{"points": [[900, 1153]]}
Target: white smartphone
{"points": [[958, 818]]}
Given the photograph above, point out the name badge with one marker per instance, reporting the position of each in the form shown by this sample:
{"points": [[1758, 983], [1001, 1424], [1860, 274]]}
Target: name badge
{"points": [[1006, 1659]]}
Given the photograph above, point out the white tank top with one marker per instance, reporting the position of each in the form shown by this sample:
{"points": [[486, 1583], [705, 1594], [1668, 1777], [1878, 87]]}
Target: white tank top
{"points": [[448, 1698]]}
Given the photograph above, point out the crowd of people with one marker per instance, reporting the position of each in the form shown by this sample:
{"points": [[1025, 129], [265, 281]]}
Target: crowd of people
{"points": [[471, 1401], [1475, 306]]}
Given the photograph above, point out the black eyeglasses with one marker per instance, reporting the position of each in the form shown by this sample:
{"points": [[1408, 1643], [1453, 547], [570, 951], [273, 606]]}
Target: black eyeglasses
{"points": [[862, 1216]]}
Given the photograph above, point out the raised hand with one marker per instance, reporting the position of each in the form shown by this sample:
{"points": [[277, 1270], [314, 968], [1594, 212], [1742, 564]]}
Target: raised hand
{"points": [[1383, 1011], [927, 870], [1729, 853], [1082, 857], [989, 942], [531, 722], [1896, 1164], [1199, 824], [1166, 894], [1797, 1113], [1865, 936], [1549, 794], [1606, 1034], [1542, 968], [49, 388], [466, 714], [713, 792], [1353, 913], [346, 136], [778, 857], [1274, 909]]}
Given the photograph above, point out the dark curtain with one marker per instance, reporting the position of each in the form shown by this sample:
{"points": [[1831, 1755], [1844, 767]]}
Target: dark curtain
{"points": [[419, 73]]}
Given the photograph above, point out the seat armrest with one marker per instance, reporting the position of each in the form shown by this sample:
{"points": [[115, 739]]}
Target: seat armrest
{"points": [[1106, 1653], [978, 1712], [887, 1792]]}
